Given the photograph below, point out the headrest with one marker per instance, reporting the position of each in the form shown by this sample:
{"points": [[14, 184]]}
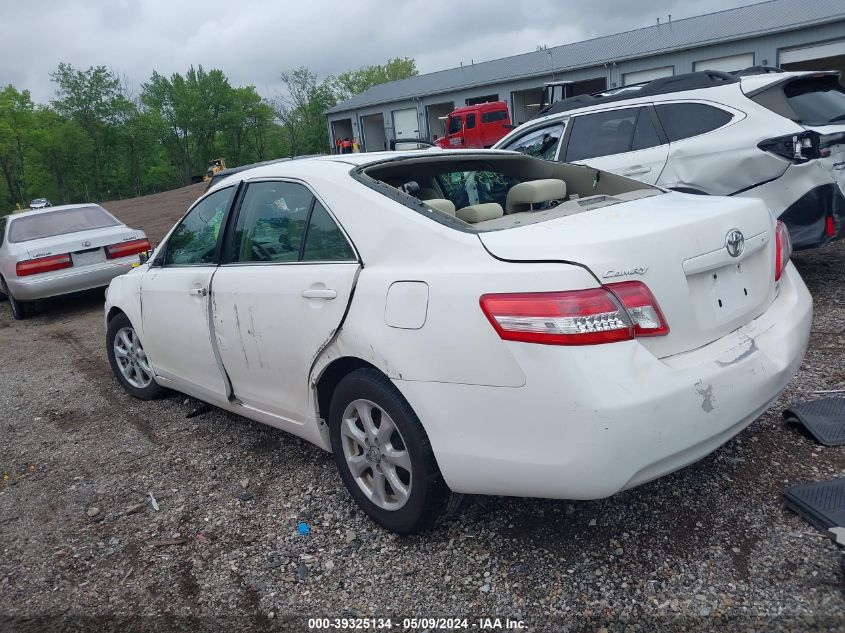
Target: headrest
{"points": [[534, 192], [480, 212], [427, 193], [442, 204]]}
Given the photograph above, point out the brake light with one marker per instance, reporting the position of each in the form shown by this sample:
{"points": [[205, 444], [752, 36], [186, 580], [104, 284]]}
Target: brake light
{"points": [[616, 312], [125, 249], [798, 148], [783, 249], [43, 265]]}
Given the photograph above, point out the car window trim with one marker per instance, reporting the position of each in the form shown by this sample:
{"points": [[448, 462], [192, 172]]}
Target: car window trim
{"points": [[215, 260], [230, 228]]}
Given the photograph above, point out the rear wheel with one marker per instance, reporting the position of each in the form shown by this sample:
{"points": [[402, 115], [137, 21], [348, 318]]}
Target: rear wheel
{"points": [[129, 361], [20, 309], [384, 456]]}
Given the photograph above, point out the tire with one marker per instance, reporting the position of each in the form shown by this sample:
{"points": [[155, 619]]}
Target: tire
{"points": [[20, 309], [420, 496], [129, 362]]}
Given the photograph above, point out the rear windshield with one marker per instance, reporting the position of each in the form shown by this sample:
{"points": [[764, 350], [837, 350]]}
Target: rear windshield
{"points": [[35, 227], [816, 102], [807, 100]]}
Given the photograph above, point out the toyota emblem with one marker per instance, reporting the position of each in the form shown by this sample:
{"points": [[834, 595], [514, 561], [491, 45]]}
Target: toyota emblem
{"points": [[86, 243], [735, 243]]}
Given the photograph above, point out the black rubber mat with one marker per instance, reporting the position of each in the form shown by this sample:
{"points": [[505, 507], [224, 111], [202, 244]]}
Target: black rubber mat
{"points": [[824, 419], [822, 503]]}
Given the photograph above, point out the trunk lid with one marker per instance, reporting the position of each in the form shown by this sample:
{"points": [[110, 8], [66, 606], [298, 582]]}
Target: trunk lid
{"points": [[86, 247], [674, 243]]}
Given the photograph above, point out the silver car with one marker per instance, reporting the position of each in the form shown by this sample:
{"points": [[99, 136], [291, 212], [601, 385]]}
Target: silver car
{"points": [[64, 249]]}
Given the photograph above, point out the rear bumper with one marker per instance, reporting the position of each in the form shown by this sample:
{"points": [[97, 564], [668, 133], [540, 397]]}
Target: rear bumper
{"points": [[591, 421], [70, 280]]}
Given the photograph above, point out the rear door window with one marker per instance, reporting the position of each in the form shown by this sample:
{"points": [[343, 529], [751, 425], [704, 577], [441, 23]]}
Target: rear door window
{"points": [[542, 143], [685, 120], [601, 134], [53, 223], [271, 222]]}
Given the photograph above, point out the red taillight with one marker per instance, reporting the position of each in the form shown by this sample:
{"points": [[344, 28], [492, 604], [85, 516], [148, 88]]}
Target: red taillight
{"points": [[616, 312], [43, 265], [125, 249], [783, 249], [829, 226]]}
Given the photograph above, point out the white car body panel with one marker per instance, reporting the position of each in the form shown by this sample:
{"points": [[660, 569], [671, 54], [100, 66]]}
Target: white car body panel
{"points": [[727, 161], [503, 417]]}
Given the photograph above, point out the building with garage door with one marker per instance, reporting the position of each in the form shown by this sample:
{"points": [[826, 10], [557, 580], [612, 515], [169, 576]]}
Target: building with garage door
{"points": [[792, 34]]}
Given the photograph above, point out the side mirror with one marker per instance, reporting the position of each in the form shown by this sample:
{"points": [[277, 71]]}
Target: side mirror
{"points": [[144, 257]]}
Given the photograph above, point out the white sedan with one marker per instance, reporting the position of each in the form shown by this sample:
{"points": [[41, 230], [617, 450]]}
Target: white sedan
{"points": [[60, 250], [475, 322]]}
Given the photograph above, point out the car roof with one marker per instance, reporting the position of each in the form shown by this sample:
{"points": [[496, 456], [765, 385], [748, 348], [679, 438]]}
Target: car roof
{"points": [[666, 88], [281, 169], [62, 207]]}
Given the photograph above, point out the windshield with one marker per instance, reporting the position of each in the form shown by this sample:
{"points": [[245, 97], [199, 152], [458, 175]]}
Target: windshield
{"points": [[35, 227], [817, 102]]}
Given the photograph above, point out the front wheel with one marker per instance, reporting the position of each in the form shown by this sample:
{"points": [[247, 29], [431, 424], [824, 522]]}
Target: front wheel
{"points": [[129, 361], [384, 456]]}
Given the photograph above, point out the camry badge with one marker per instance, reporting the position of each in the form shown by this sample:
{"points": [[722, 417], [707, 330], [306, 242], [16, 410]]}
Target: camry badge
{"points": [[735, 243], [637, 270]]}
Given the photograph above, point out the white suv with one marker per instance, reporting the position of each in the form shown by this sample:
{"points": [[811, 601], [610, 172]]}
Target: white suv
{"points": [[763, 133]]}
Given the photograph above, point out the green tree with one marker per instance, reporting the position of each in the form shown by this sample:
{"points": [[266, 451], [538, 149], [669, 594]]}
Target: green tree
{"points": [[93, 99], [301, 111], [16, 122], [353, 82]]}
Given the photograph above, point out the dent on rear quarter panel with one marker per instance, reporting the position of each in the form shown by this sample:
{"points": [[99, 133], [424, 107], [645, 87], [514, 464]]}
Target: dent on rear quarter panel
{"points": [[703, 163]]}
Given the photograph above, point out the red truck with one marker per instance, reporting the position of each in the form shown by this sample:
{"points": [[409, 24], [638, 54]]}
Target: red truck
{"points": [[476, 126]]}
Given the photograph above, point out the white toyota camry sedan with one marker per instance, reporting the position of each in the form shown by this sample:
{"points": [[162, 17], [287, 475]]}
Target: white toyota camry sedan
{"points": [[60, 250], [476, 322]]}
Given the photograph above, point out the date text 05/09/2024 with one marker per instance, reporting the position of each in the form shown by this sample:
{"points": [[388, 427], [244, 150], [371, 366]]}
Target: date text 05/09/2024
{"points": [[413, 624]]}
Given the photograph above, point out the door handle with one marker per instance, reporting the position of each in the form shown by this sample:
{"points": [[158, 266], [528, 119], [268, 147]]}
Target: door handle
{"points": [[636, 171], [199, 292], [319, 293]]}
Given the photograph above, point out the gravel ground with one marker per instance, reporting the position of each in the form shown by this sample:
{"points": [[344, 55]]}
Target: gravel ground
{"points": [[83, 546]]}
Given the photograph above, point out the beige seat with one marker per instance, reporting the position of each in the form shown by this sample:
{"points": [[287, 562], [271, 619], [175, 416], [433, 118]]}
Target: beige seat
{"points": [[442, 204], [480, 212], [525, 195]]}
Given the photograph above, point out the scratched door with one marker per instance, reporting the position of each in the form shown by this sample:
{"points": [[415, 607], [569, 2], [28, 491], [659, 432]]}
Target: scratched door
{"points": [[280, 296]]}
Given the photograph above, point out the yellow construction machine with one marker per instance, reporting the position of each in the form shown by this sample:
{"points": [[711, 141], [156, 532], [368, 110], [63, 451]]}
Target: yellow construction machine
{"points": [[215, 165]]}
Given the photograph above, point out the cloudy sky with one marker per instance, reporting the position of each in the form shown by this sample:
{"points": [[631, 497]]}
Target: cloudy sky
{"points": [[253, 41]]}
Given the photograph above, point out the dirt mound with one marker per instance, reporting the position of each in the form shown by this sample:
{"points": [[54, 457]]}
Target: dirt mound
{"points": [[157, 213]]}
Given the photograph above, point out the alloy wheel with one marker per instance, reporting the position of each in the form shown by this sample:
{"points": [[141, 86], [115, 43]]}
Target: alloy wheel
{"points": [[376, 454]]}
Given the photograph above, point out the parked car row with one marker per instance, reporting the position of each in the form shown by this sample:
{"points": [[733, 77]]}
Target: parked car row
{"points": [[566, 319]]}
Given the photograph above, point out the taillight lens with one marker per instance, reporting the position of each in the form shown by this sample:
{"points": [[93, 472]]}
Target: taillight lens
{"points": [[798, 148], [125, 249], [616, 312], [43, 265], [783, 249]]}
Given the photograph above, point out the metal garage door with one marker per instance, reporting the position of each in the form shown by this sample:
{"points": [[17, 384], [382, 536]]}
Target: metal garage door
{"points": [[640, 76], [405, 123], [808, 53], [728, 64]]}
